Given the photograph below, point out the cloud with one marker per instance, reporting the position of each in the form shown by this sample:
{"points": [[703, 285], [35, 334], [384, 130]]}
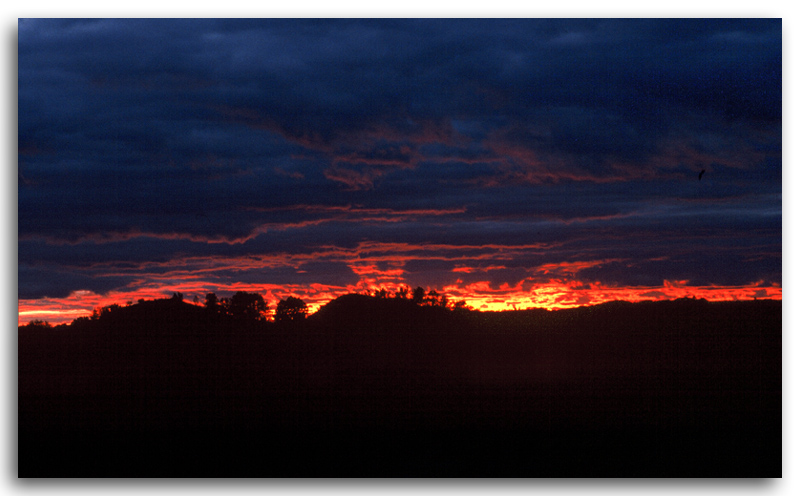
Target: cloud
{"points": [[437, 144]]}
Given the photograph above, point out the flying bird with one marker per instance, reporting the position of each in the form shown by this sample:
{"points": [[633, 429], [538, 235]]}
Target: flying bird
{"points": [[699, 177]]}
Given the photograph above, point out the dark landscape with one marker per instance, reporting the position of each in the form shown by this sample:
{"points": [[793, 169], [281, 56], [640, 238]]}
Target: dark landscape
{"points": [[393, 387]]}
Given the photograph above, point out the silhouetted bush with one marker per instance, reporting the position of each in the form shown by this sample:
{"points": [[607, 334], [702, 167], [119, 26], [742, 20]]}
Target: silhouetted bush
{"points": [[37, 324], [418, 295], [247, 307], [212, 303], [291, 310]]}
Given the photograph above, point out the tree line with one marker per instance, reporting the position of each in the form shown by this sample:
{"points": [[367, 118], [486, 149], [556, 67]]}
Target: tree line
{"points": [[245, 306], [252, 306]]}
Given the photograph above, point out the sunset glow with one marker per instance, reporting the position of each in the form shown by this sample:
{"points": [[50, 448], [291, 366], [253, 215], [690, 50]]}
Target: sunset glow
{"points": [[552, 295]]}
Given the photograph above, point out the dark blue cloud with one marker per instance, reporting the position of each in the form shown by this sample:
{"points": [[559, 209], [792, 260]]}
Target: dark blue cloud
{"points": [[156, 137]]}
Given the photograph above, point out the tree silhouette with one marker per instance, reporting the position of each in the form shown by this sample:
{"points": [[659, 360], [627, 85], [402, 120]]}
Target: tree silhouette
{"points": [[38, 324], [247, 306], [212, 303], [434, 299], [225, 306], [104, 311], [460, 306], [418, 295], [291, 310]]}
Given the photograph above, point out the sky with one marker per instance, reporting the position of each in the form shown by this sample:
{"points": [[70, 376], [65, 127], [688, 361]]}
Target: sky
{"points": [[511, 163]]}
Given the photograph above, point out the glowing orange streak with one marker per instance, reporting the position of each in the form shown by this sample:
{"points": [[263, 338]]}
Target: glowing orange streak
{"points": [[556, 294], [472, 270], [572, 267], [363, 270]]}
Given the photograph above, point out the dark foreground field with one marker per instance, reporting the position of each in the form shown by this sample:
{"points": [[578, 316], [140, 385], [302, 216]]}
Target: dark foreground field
{"points": [[382, 387]]}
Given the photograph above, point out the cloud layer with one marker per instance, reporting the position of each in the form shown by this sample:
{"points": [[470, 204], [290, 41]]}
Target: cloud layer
{"points": [[335, 154]]}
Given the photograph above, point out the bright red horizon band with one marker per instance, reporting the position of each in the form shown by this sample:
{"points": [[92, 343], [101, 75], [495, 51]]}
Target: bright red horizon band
{"points": [[478, 295]]}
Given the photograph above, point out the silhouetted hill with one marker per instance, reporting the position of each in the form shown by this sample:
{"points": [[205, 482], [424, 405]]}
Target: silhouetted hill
{"points": [[686, 388], [146, 337], [367, 313]]}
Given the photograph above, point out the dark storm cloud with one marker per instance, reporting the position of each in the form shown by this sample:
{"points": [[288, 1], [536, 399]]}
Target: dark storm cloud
{"points": [[144, 140], [56, 282]]}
